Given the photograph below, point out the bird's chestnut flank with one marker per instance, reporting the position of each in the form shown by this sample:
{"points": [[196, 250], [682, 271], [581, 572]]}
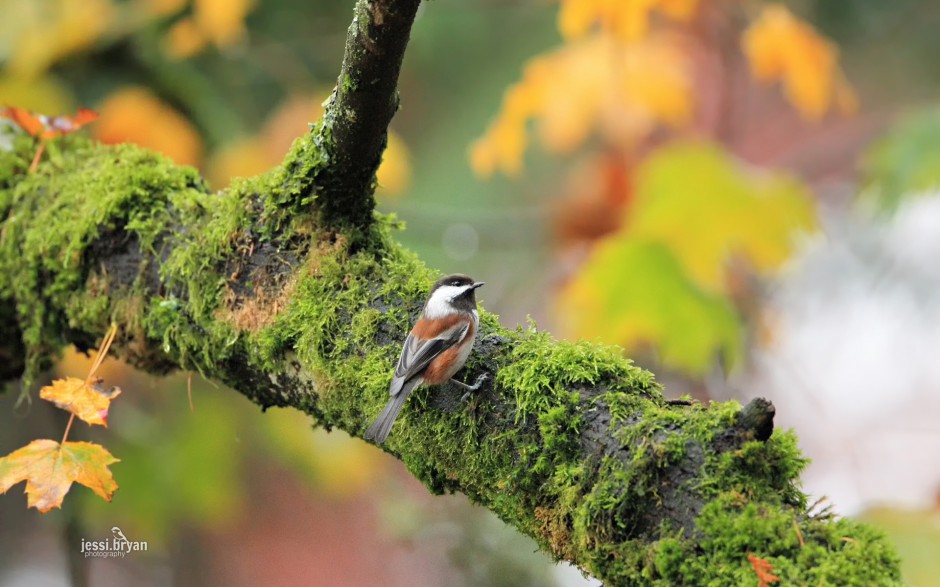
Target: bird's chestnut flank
{"points": [[436, 348]]}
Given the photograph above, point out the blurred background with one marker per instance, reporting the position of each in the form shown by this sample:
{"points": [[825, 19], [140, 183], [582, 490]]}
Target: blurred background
{"points": [[744, 195]]}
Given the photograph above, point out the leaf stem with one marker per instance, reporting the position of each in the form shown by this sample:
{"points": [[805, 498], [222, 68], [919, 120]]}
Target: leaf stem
{"points": [[67, 428], [102, 351], [35, 164]]}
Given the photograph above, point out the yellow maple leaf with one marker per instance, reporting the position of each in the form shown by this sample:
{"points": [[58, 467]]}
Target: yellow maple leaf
{"points": [[49, 470], [778, 46], [621, 91], [86, 399], [628, 20]]}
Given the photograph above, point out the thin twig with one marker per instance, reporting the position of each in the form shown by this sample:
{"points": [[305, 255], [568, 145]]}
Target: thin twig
{"points": [[102, 352]]}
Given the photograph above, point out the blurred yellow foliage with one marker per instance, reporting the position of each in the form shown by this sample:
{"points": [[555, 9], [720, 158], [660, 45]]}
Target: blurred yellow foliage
{"points": [[136, 115], [163, 7], [636, 293], [43, 94], [626, 19], [34, 34], [184, 39], [394, 174], [779, 46], [662, 278], [333, 463], [622, 76], [623, 91], [73, 361], [223, 21], [255, 154], [220, 22], [705, 209], [242, 157]]}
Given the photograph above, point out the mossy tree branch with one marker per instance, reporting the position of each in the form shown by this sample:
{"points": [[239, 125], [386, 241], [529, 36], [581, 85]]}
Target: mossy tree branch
{"points": [[569, 443], [354, 130]]}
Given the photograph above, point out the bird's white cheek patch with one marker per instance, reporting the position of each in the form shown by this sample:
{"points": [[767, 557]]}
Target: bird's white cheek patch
{"points": [[439, 304]]}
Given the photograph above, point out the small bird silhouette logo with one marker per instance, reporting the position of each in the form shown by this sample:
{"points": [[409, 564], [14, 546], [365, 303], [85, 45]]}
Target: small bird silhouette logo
{"points": [[119, 535]]}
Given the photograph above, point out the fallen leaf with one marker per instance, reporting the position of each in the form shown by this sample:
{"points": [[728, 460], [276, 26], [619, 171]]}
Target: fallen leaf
{"points": [[84, 398], [763, 570], [49, 470]]}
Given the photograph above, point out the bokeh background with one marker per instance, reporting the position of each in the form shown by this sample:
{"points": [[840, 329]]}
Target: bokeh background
{"points": [[744, 195]]}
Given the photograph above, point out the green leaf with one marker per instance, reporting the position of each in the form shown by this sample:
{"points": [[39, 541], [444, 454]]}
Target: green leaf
{"points": [[906, 161], [662, 279], [694, 199], [637, 293]]}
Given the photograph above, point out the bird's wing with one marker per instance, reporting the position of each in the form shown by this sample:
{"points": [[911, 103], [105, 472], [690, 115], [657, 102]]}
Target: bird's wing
{"points": [[417, 353]]}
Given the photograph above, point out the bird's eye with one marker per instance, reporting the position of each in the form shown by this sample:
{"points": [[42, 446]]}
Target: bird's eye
{"points": [[455, 282]]}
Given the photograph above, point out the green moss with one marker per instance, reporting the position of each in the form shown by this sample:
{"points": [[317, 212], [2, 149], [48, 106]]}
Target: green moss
{"points": [[348, 85], [521, 449], [801, 550], [760, 470], [541, 370], [54, 216]]}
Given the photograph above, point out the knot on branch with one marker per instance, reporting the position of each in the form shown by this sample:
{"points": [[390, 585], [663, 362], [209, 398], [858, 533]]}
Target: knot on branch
{"points": [[757, 418]]}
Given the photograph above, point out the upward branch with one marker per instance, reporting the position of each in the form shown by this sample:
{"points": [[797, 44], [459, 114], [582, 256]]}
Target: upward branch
{"points": [[353, 133]]}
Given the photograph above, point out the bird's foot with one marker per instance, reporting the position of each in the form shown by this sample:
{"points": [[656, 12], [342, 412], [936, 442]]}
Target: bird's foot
{"points": [[470, 388]]}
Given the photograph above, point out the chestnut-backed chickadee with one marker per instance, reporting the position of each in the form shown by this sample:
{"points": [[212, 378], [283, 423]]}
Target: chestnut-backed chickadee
{"points": [[436, 348]]}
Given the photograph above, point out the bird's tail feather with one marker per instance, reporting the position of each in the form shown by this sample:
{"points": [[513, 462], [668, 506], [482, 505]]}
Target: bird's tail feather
{"points": [[380, 429]]}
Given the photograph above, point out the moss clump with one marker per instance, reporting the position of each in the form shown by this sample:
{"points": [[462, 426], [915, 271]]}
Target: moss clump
{"points": [[85, 196], [801, 550], [541, 371]]}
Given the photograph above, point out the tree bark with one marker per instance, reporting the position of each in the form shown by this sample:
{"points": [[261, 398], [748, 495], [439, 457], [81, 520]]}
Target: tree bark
{"points": [[291, 290]]}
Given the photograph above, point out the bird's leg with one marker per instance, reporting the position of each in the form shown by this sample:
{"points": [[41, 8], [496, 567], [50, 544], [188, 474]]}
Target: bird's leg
{"points": [[470, 388]]}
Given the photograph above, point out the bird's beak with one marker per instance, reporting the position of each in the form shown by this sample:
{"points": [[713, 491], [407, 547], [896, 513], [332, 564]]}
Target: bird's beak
{"points": [[479, 284]]}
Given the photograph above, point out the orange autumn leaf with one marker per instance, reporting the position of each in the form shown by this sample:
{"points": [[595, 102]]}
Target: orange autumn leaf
{"points": [[47, 127], [84, 398], [626, 19], [763, 569], [136, 115], [778, 46], [620, 91], [49, 470]]}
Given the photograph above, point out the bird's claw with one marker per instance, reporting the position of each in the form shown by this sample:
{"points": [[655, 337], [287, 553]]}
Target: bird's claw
{"points": [[471, 388]]}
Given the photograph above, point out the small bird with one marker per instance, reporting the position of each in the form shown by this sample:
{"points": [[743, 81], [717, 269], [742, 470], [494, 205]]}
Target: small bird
{"points": [[436, 348]]}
